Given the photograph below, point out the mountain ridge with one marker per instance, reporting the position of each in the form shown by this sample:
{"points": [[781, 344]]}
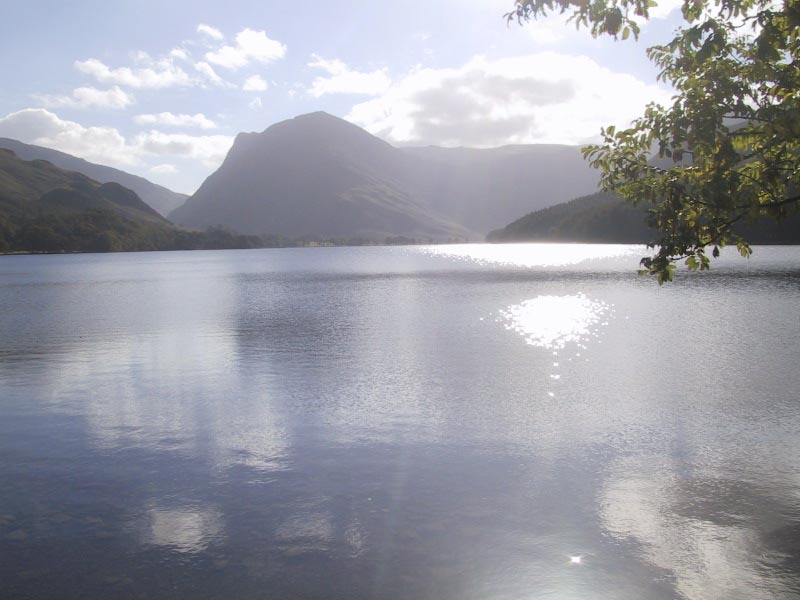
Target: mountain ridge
{"points": [[162, 199], [314, 176], [44, 208], [317, 175]]}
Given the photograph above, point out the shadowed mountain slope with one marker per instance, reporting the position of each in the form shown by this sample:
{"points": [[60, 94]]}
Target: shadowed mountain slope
{"points": [[157, 196], [319, 176], [32, 185], [47, 209], [315, 176], [605, 218]]}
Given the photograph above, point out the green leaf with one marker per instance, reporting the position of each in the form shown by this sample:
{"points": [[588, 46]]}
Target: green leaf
{"points": [[732, 126]]}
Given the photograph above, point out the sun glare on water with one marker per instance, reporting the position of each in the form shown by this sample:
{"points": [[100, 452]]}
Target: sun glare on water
{"points": [[554, 321], [534, 255]]}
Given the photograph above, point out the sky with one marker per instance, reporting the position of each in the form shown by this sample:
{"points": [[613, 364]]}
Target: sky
{"points": [[160, 89]]}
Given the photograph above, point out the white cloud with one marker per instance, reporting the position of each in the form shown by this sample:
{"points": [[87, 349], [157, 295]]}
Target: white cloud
{"points": [[140, 57], [209, 73], [148, 72], [163, 169], [556, 29], [89, 97], [105, 145], [343, 80], [44, 128], [538, 98], [228, 57], [664, 8], [209, 149], [212, 32], [251, 46], [552, 30], [173, 120], [255, 103], [161, 73], [179, 53], [254, 83]]}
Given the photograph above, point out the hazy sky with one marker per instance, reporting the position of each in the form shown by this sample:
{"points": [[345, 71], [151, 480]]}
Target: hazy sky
{"points": [[160, 88]]}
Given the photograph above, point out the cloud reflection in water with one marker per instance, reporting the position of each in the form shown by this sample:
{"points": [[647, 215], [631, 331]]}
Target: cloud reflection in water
{"points": [[181, 529], [700, 529]]}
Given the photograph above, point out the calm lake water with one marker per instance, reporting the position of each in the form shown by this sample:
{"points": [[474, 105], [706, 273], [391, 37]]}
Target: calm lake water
{"points": [[452, 422]]}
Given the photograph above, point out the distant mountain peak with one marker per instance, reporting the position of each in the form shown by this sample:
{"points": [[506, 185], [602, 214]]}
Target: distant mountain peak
{"points": [[321, 124], [314, 119], [318, 122], [318, 115]]}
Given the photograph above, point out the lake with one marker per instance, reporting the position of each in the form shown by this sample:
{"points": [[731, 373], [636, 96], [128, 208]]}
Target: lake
{"points": [[430, 422]]}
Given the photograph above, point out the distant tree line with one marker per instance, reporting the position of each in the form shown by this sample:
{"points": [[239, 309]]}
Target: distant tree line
{"points": [[99, 230]]}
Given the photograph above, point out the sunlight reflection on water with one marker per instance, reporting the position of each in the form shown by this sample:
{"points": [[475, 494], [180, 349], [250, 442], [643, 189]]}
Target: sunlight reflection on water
{"points": [[533, 255], [553, 321], [333, 422]]}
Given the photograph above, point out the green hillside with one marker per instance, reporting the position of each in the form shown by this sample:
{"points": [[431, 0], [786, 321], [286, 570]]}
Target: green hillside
{"points": [[47, 209], [595, 218], [604, 218], [156, 196]]}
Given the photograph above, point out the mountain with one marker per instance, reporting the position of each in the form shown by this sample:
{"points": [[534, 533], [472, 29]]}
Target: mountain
{"points": [[315, 176], [47, 209], [483, 189], [596, 218], [604, 218], [159, 197], [318, 176]]}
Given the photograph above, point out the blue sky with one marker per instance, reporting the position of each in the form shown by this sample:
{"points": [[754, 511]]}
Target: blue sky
{"points": [[160, 89]]}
